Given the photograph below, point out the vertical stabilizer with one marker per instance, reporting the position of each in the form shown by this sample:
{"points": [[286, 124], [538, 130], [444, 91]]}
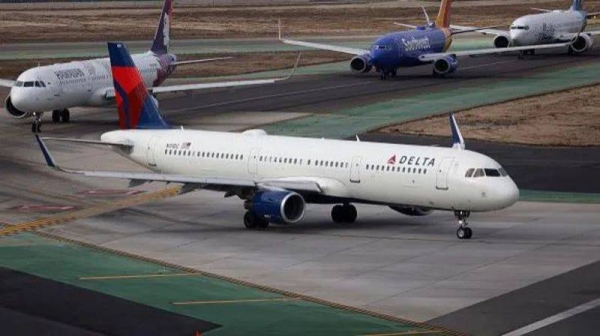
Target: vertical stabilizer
{"points": [[577, 5], [443, 18], [160, 45], [137, 108]]}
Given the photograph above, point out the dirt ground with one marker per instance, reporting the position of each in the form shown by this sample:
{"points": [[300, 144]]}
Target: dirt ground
{"points": [[101, 24], [569, 118], [239, 64]]}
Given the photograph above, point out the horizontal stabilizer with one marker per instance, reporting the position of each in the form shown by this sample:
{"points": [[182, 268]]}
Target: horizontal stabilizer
{"points": [[90, 142]]}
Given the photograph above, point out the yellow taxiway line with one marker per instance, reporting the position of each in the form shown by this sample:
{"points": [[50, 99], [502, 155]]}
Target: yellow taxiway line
{"points": [[183, 303]]}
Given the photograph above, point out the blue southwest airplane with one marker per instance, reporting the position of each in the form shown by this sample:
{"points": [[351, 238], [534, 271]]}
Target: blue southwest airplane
{"points": [[422, 45]]}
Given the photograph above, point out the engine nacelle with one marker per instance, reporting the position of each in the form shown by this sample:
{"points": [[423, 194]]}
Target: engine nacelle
{"points": [[412, 211], [13, 111], [281, 207], [502, 41], [360, 64], [445, 65], [581, 44]]}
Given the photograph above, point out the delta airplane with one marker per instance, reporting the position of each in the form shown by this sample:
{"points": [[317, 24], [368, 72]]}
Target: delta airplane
{"points": [[276, 176], [552, 26], [59, 87], [423, 45]]}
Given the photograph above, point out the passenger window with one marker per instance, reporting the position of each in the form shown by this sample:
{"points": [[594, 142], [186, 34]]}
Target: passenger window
{"points": [[469, 172], [492, 172], [479, 173]]}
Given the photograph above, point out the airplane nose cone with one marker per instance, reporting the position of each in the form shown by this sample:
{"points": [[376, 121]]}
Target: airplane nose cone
{"points": [[507, 194], [516, 36]]}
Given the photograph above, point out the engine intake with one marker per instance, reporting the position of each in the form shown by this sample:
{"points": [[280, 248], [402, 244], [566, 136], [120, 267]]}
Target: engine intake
{"points": [[445, 65], [581, 44], [13, 111], [412, 211], [502, 41], [281, 207], [360, 64]]}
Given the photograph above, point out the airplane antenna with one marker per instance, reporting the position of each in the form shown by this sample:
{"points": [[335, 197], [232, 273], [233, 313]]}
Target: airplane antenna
{"points": [[426, 16]]}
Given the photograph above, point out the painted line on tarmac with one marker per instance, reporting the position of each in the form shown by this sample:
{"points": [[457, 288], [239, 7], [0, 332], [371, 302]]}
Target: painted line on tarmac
{"points": [[555, 318], [185, 303], [138, 276], [91, 211]]}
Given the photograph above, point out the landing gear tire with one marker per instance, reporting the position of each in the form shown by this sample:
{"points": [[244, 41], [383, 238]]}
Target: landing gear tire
{"points": [[384, 75], [344, 213], [463, 232], [56, 116], [36, 125], [252, 221], [394, 73], [65, 115]]}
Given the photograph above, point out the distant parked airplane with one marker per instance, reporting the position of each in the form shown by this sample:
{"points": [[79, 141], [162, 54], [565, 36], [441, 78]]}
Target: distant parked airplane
{"points": [[422, 45], [276, 175], [59, 87], [552, 26]]}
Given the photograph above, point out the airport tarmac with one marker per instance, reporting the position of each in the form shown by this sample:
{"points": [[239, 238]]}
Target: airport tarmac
{"points": [[412, 268]]}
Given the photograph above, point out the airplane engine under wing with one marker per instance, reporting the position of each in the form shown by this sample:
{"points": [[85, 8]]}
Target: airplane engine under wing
{"points": [[582, 43], [412, 211], [361, 64], [282, 207], [502, 41], [445, 65], [13, 111]]}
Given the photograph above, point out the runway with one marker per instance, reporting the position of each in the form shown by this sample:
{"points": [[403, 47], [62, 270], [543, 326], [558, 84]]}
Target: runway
{"points": [[411, 268]]}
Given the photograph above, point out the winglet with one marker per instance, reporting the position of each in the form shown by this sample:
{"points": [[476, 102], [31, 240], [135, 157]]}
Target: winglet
{"points": [[426, 16], [295, 67], [457, 139], [49, 159], [279, 28]]}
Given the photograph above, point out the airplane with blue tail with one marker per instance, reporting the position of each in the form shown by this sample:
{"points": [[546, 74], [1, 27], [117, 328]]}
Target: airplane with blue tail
{"points": [[277, 176], [422, 45]]}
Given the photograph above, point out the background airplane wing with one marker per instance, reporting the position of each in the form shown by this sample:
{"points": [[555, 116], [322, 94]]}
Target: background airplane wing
{"points": [[302, 185], [543, 10], [345, 50], [204, 60], [571, 36], [435, 56], [485, 31], [6, 82]]}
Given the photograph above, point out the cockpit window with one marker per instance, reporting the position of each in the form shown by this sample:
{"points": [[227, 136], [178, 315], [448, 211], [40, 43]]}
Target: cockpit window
{"points": [[19, 84], [28, 84], [382, 47], [492, 172], [519, 27], [503, 172], [479, 173], [470, 172]]}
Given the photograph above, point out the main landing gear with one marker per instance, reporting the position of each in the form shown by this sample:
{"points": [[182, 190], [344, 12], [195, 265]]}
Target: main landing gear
{"points": [[385, 74], [524, 53], [344, 213], [252, 221], [463, 232], [61, 116]]}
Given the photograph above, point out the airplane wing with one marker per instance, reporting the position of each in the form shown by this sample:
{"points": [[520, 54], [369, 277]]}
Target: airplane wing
{"points": [[436, 56], [543, 10], [301, 185], [484, 30], [322, 46], [109, 92], [571, 36], [592, 15], [6, 82]]}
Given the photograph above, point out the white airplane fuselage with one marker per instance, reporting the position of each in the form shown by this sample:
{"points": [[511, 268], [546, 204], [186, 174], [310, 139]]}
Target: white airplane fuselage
{"points": [[79, 83], [552, 27], [387, 174]]}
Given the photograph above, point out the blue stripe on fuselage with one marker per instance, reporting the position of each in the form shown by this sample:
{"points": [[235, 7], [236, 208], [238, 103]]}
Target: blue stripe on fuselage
{"points": [[402, 49]]}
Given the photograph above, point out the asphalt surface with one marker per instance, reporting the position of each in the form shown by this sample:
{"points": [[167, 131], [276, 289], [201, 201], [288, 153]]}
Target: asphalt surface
{"points": [[31, 305], [562, 169]]}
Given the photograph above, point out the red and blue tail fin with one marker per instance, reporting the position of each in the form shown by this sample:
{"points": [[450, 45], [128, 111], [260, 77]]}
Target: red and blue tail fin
{"points": [[160, 45], [137, 108]]}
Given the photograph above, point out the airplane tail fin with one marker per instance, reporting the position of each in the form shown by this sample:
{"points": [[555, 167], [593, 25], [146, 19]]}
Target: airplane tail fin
{"points": [[160, 45], [137, 108], [443, 18], [577, 5]]}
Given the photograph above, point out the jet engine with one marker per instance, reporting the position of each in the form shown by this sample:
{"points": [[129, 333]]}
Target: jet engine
{"points": [[412, 211], [581, 44], [14, 112], [502, 41], [445, 65], [360, 64], [281, 207]]}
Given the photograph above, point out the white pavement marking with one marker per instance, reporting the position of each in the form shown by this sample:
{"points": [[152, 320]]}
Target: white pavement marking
{"points": [[555, 318]]}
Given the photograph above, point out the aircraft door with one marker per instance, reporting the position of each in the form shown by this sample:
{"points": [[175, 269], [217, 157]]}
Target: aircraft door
{"points": [[253, 161], [150, 150], [355, 169], [442, 173]]}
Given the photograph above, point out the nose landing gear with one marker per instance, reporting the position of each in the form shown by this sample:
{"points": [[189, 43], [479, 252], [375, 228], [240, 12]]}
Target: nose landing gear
{"points": [[36, 124], [463, 232]]}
